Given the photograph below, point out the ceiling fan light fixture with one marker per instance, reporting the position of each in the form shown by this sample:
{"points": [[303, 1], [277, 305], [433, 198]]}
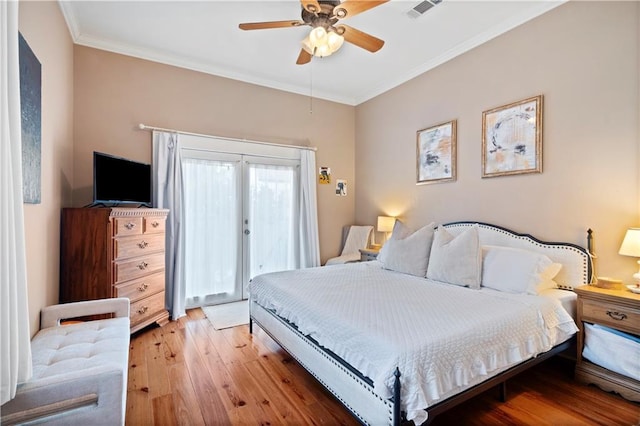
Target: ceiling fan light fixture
{"points": [[318, 36], [334, 40], [321, 42]]}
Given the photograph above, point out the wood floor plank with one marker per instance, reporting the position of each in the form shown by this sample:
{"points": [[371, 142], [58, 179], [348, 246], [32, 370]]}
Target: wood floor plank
{"points": [[228, 391], [185, 399], [207, 397], [186, 372], [163, 411], [139, 409]]}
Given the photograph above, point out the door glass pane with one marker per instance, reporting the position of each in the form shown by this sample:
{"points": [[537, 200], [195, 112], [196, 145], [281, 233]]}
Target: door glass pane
{"points": [[212, 224], [272, 218]]}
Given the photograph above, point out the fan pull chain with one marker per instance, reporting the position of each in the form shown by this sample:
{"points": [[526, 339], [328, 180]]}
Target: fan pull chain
{"points": [[311, 88]]}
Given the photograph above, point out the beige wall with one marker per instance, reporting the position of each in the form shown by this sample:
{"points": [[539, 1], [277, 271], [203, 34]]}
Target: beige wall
{"points": [[583, 57], [114, 93], [44, 29]]}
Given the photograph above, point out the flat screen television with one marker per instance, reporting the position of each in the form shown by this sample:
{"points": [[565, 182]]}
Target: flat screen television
{"points": [[118, 180]]}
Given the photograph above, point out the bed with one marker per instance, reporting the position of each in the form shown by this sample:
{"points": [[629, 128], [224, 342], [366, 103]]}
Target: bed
{"points": [[440, 318]]}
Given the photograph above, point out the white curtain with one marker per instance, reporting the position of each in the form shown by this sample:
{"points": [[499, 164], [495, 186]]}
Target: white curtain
{"points": [[15, 349], [309, 238], [274, 227], [167, 194], [212, 223]]}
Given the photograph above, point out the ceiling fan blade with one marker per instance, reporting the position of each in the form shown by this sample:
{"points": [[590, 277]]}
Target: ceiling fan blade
{"points": [[272, 24], [360, 39], [311, 6], [349, 8], [304, 57]]}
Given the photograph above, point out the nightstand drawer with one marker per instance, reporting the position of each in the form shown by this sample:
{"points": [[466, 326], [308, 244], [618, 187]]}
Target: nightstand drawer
{"points": [[367, 255], [611, 314]]}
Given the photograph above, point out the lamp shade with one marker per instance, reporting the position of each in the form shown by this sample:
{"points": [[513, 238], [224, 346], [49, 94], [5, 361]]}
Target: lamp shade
{"points": [[385, 223], [631, 243]]}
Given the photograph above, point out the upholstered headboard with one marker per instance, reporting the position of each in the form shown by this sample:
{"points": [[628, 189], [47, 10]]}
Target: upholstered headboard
{"points": [[576, 264]]}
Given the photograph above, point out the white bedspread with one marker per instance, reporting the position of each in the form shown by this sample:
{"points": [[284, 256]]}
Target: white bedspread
{"points": [[443, 338]]}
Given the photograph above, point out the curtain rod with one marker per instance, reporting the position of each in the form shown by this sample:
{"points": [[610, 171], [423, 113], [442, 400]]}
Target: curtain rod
{"points": [[145, 127]]}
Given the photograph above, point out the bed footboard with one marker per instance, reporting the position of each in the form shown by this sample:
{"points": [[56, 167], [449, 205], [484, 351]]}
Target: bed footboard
{"points": [[351, 390]]}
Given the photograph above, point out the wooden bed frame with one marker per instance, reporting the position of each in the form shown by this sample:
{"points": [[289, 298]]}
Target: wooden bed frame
{"points": [[356, 392]]}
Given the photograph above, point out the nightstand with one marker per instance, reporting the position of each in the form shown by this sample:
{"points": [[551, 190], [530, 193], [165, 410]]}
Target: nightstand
{"points": [[618, 309], [368, 254]]}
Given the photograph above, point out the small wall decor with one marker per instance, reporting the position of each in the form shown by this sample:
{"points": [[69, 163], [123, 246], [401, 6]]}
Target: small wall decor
{"points": [[31, 114], [436, 153], [341, 187], [512, 138], [324, 176]]}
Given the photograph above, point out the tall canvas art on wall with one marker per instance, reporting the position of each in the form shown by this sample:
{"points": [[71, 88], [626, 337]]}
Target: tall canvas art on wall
{"points": [[31, 114], [436, 153]]}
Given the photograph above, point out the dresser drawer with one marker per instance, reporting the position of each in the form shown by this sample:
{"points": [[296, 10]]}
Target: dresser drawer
{"points": [[137, 246], [612, 315], [141, 287], [127, 226], [125, 270], [154, 224], [146, 308]]}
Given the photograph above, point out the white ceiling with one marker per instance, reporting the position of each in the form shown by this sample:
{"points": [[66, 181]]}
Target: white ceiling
{"points": [[204, 36]]}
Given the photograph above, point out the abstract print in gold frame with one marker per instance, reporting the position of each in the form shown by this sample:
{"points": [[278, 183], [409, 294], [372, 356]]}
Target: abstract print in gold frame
{"points": [[436, 153], [512, 138]]}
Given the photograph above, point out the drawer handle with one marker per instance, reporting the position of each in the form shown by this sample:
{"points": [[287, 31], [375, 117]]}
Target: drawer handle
{"points": [[143, 310], [143, 244], [155, 224], [130, 226], [618, 316], [142, 265], [143, 287]]}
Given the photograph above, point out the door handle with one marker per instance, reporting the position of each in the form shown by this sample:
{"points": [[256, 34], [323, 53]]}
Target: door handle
{"points": [[247, 232]]}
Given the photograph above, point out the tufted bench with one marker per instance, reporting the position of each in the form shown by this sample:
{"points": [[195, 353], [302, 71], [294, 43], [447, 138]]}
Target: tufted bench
{"points": [[79, 370]]}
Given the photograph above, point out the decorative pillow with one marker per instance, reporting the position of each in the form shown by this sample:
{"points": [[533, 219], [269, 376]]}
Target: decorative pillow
{"points": [[410, 254], [547, 277], [400, 231], [514, 270], [456, 259]]}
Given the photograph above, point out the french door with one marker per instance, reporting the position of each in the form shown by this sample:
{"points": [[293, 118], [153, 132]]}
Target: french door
{"points": [[241, 220]]}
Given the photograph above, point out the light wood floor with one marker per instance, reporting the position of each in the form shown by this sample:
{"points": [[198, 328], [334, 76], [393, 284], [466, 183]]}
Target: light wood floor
{"points": [[187, 373]]}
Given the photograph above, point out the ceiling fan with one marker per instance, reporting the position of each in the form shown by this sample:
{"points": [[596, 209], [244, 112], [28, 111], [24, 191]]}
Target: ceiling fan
{"points": [[327, 34]]}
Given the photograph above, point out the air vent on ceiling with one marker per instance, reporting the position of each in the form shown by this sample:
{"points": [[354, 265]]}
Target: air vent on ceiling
{"points": [[419, 9]]}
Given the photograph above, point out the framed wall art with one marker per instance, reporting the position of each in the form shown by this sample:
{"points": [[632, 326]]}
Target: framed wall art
{"points": [[512, 138], [31, 121], [436, 153]]}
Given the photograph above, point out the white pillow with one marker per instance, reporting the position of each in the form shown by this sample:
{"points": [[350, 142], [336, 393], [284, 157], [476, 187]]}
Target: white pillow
{"points": [[547, 277], [400, 231], [409, 255], [514, 270], [456, 259]]}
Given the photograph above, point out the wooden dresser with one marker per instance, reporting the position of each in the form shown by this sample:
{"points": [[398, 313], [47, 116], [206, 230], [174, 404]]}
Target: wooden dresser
{"points": [[115, 252]]}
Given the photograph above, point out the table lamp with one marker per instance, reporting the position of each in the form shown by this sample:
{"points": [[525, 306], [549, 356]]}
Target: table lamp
{"points": [[631, 247], [385, 224]]}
